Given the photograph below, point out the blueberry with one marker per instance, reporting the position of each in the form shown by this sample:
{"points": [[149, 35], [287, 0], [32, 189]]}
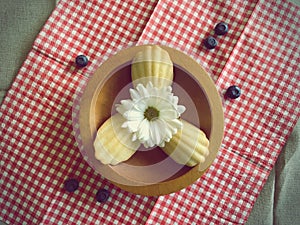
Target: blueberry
{"points": [[233, 92], [71, 185], [221, 28], [81, 61], [102, 195], [210, 42]]}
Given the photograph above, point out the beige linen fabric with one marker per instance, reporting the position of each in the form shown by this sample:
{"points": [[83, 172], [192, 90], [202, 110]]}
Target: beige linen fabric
{"points": [[20, 22], [279, 200]]}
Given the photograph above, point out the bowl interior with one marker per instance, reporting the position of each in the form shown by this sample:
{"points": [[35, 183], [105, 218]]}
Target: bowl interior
{"points": [[145, 165]]}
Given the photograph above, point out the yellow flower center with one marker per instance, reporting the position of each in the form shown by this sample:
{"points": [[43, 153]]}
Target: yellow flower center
{"points": [[151, 113]]}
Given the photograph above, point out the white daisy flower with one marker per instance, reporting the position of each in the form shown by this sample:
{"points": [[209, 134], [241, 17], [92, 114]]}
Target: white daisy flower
{"points": [[152, 114]]}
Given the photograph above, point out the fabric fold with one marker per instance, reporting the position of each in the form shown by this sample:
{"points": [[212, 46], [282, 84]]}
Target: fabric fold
{"points": [[96, 29]]}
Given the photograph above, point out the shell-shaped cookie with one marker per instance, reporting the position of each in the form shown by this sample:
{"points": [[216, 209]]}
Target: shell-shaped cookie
{"points": [[152, 64], [113, 143], [189, 146]]}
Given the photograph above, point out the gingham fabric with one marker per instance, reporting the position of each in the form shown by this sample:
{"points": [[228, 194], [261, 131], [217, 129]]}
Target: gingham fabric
{"points": [[261, 56], [38, 150]]}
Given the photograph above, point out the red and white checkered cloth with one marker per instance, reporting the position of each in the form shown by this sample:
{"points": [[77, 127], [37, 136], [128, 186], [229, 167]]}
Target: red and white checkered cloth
{"points": [[261, 56], [38, 150]]}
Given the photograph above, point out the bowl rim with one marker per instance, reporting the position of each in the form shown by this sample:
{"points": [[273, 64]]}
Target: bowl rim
{"points": [[214, 100]]}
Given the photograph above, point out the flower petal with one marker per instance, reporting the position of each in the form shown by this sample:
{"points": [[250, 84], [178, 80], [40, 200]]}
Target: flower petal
{"points": [[143, 130], [174, 125], [168, 114], [160, 103], [134, 137], [124, 106], [181, 109], [134, 94], [131, 125], [133, 115], [157, 131], [141, 106], [175, 100], [149, 85], [169, 89], [143, 92]]}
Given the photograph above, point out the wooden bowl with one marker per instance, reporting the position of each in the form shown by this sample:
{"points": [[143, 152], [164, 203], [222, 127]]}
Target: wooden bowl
{"points": [[150, 171]]}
